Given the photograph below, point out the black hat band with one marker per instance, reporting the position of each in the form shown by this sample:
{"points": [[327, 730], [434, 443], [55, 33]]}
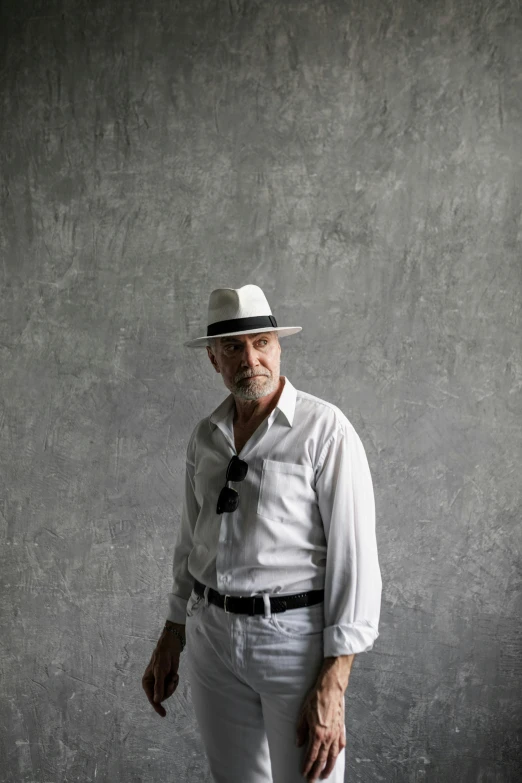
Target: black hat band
{"points": [[241, 324]]}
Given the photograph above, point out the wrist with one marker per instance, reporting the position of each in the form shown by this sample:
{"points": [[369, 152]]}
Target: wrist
{"points": [[335, 673], [174, 632]]}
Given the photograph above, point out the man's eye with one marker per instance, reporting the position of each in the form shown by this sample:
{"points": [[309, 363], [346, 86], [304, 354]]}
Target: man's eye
{"points": [[232, 347]]}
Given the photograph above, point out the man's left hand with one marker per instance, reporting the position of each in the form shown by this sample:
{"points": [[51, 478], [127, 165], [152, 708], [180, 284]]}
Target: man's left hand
{"points": [[322, 718]]}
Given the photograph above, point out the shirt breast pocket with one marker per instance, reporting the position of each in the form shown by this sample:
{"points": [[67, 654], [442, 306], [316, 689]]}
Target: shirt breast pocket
{"points": [[286, 490]]}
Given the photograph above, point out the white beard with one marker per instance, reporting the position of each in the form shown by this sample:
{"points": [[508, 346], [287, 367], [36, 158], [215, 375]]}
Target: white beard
{"points": [[254, 388]]}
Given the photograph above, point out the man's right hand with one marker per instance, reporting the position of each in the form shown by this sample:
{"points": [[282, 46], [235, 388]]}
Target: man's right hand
{"points": [[161, 675]]}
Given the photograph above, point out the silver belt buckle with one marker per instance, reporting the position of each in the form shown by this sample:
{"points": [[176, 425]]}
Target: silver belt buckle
{"points": [[225, 604]]}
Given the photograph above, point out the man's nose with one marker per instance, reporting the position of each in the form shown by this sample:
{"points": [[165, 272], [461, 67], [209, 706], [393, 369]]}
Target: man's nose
{"points": [[249, 357]]}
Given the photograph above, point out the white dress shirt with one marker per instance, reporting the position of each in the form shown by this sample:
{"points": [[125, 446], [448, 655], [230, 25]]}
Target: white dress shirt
{"points": [[305, 520]]}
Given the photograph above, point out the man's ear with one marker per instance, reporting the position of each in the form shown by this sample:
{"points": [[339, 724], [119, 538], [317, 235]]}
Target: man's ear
{"points": [[212, 358]]}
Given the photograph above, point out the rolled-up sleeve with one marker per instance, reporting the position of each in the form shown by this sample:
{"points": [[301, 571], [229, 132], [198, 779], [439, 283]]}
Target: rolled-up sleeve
{"points": [[182, 581], [353, 583]]}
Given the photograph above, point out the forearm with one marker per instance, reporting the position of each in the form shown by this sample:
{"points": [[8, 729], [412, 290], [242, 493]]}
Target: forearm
{"points": [[335, 673]]}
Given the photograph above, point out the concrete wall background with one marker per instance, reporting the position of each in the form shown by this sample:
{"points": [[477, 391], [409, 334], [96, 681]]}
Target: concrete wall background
{"points": [[362, 163]]}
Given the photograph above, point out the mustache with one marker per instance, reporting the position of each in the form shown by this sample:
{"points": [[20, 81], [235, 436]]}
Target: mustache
{"points": [[252, 375]]}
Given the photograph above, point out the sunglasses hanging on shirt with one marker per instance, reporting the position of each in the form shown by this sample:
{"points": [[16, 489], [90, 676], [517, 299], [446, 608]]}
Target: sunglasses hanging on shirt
{"points": [[228, 498]]}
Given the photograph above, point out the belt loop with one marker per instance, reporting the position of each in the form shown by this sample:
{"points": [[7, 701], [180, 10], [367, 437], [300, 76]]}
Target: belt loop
{"points": [[205, 594], [268, 608]]}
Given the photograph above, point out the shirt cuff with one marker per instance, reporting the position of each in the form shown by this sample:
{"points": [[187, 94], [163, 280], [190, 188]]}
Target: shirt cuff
{"points": [[348, 639], [177, 609]]}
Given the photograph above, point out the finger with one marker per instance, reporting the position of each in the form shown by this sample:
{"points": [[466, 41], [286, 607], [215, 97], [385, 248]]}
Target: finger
{"points": [[342, 739], [332, 758], [160, 710], [171, 683], [318, 765], [147, 683], [169, 686], [159, 685], [148, 687], [313, 750]]}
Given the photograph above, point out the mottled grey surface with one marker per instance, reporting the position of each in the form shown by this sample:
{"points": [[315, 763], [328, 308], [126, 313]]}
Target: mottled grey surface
{"points": [[361, 162]]}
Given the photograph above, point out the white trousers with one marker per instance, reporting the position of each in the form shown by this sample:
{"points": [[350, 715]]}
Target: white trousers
{"points": [[249, 676]]}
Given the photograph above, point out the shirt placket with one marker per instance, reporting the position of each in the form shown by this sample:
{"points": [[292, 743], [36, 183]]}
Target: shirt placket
{"points": [[225, 554]]}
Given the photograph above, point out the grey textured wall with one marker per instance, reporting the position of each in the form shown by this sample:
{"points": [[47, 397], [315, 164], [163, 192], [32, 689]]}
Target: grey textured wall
{"points": [[361, 161]]}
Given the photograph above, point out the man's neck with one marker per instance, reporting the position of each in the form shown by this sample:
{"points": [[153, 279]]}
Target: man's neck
{"points": [[253, 411]]}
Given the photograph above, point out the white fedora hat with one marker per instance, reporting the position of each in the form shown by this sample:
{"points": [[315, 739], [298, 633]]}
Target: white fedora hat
{"points": [[239, 311]]}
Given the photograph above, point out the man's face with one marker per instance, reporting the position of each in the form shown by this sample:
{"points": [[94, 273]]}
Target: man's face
{"points": [[249, 363]]}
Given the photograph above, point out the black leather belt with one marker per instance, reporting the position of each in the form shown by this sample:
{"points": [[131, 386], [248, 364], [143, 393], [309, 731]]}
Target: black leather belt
{"points": [[254, 604]]}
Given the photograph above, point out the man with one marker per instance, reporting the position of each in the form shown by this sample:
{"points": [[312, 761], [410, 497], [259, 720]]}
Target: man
{"points": [[276, 580]]}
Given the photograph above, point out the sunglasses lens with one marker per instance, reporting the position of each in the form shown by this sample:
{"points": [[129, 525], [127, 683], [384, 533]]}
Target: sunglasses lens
{"points": [[237, 469], [228, 500]]}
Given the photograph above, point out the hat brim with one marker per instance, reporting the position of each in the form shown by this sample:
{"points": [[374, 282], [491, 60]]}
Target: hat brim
{"points": [[284, 331]]}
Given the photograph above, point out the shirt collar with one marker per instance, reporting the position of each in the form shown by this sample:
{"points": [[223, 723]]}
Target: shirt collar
{"points": [[285, 404]]}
